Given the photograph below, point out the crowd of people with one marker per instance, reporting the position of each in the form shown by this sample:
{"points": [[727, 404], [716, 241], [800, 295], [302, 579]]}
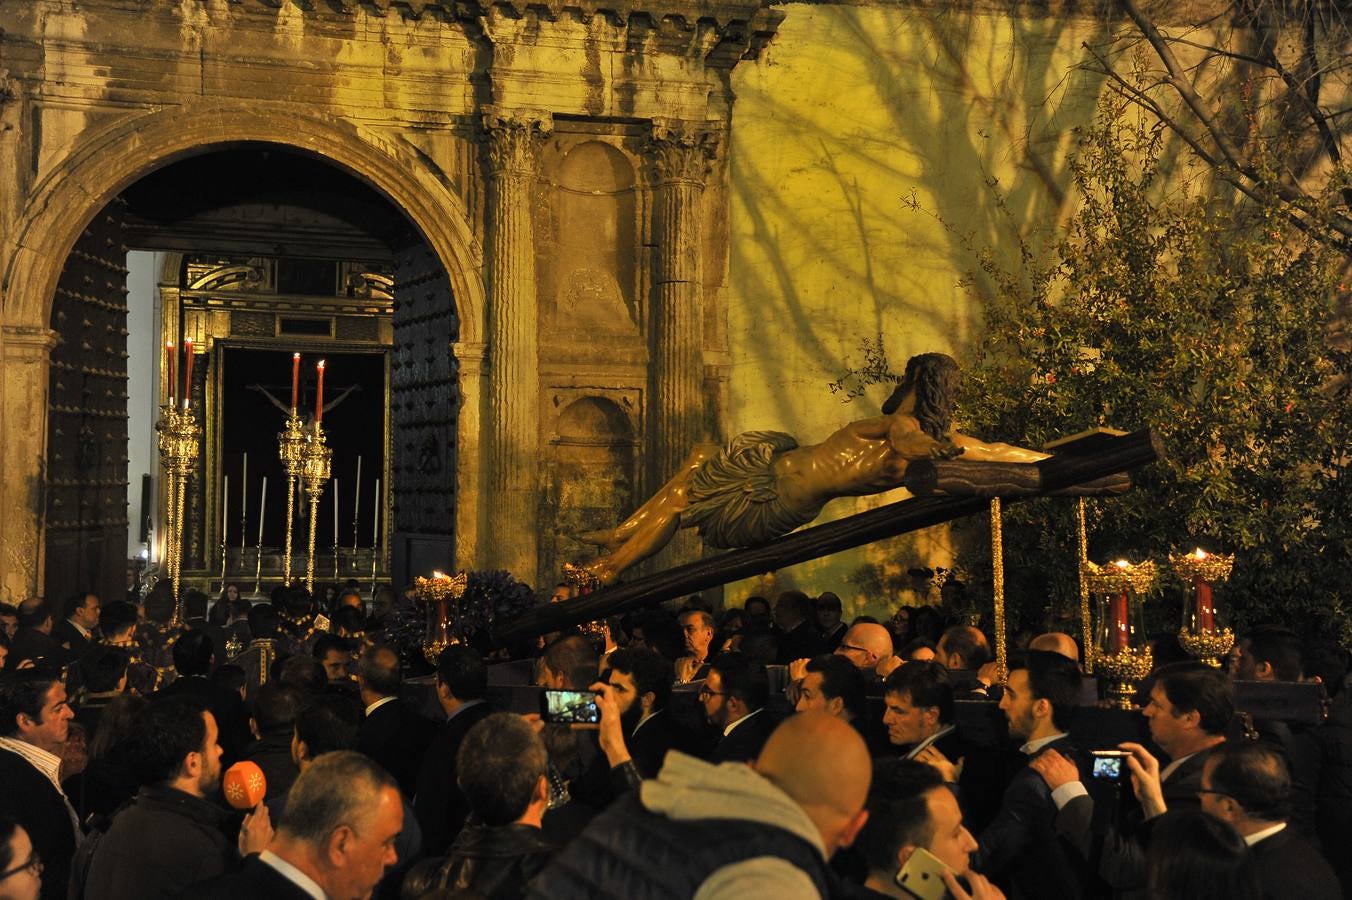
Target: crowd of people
{"points": [[771, 750]]}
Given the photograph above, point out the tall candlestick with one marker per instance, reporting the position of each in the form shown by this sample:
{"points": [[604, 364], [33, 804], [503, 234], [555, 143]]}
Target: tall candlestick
{"points": [[169, 370], [225, 508], [356, 510], [319, 395], [243, 509], [262, 504], [295, 381], [335, 516], [187, 373], [375, 526]]}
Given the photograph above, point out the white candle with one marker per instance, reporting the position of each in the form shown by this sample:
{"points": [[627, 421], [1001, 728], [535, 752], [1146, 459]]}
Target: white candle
{"points": [[244, 497], [375, 527], [262, 505], [225, 508], [335, 512], [356, 502]]}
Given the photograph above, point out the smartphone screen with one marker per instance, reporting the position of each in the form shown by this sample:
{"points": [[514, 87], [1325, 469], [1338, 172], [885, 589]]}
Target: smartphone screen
{"points": [[569, 707], [1108, 768]]}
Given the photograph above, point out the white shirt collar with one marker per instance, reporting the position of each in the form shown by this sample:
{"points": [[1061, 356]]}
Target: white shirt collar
{"points": [[731, 725], [293, 875], [379, 703], [1173, 766], [929, 740], [1257, 836], [645, 718], [49, 764], [1034, 746]]}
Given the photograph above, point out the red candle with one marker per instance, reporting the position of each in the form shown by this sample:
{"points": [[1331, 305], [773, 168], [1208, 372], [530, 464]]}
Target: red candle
{"points": [[319, 395], [295, 381], [1206, 611], [1118, 637], [187, 373], [169, 368]]}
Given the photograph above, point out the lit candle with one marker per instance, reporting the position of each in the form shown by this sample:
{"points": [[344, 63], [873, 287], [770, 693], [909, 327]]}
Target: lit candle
{"points": [[319, 395], [262, 505], [1118, 637], [244, 500], [169, 369], [225, 508], [1206, 610], [295, 381], [187, 373], [335, 515]]}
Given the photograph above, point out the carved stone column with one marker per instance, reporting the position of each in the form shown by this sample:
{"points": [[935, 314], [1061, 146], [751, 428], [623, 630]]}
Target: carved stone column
{"points": [[514, 140], [679, 156], [23, 455], [470, 545]]}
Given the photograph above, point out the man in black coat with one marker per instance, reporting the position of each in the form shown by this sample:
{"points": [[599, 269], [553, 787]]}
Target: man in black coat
{"points": [[640, 681], [796, 616], [194, 654], [33, 639], [275, 710], [172, 835], [336, 840], [502, 764], [461, 682], [734, 697], [79, 619], [392, 732], [34, 721], [1020, 848], [1249, 786]]}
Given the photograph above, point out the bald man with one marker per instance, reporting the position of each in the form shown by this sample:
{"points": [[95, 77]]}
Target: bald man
{"points": [[866, 644], [1056, 642], [728, 831], [392, 732]]}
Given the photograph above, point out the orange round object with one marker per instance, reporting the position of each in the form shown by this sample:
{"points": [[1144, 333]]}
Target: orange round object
{"points": [[244, 785]]}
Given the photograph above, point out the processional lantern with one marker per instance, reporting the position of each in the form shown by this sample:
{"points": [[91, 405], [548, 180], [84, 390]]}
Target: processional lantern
{"points": [[438, 595], [1204, 634], [1121, 653]]}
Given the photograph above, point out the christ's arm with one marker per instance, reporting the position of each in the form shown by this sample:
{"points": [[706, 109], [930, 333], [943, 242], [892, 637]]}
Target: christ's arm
{"points": [[980, 451]]}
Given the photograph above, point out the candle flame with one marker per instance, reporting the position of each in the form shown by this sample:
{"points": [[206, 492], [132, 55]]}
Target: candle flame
{"points": [[1199, 553], [320, 364], [1122, 564], [436, 573], [295, 356]]}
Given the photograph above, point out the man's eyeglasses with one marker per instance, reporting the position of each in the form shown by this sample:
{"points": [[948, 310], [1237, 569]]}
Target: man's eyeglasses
{"points": [[1201, 791], [34, 863], [852, 648], [705, 692]]}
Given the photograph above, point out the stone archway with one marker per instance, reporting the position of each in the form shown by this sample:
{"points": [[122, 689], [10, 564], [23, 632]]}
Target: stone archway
{"points": [[64, 201]]}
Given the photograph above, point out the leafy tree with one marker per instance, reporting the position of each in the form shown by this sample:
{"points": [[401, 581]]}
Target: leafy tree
{"points": [[1172, 307]]}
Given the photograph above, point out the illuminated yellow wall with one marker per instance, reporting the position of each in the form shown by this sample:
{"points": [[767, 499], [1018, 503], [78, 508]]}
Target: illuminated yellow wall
{"points": [[850, 115]]}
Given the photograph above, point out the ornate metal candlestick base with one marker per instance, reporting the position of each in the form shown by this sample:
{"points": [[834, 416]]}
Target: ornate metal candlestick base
{"points": [[1124, 671], [1207, 648], [291, 449], [315, 464], [179, 440]]}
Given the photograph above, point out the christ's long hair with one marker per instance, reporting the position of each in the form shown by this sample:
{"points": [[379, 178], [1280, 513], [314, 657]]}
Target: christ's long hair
{"points": [[936, 379]]}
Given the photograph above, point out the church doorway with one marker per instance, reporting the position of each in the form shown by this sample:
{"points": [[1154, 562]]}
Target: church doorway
{"points": [[254, 252]]}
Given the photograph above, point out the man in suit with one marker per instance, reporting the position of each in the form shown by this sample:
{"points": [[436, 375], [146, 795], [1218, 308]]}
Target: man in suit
{"points": [[734, 697], [392, 732], [33, 637], [698, 626], [833, 685], [918, 713], [640, 681], [194, 657], [461, 683], [34, 721], [79, 619], [275, 711], [337, 838], [1248, 786], [1019, 847], [796, 616]]}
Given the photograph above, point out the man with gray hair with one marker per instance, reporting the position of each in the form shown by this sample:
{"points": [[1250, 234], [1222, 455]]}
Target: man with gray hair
{"points": [[334, 842]]}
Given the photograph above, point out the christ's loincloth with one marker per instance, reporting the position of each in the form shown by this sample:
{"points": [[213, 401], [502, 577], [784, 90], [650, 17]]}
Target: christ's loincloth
{"points": [[733, 498]]}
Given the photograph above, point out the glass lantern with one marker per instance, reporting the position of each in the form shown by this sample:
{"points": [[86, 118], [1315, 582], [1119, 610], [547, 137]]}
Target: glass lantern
{"points": [[1121, 653], [1204, 633], [438, 594]]}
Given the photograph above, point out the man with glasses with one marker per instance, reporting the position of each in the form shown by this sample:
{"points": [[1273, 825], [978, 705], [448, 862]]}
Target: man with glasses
{"points": [[34, 721], [20, 866], [734, 698], [866, 644]]}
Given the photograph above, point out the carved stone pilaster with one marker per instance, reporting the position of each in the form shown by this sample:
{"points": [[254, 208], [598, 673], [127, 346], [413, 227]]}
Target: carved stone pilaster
{"points": [[513, 141], [679, 157], [23, 421], [470, 543]]}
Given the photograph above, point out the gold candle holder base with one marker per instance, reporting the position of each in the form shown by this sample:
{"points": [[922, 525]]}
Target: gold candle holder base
{"points": [[1124, 671], [1207, 648]]}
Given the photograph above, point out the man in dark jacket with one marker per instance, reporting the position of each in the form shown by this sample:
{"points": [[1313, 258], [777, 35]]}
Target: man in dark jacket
{"points": [[461, 682], [502, 765], [79, 620], [171, 835], [33, 639], [392, 732], [796, 616], [275, 712], [194, 655], [34, 721], [734, 697]]}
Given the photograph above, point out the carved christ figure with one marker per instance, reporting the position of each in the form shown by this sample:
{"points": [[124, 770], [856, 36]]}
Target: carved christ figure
{"points": [[764, 485], [307, 417]]}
